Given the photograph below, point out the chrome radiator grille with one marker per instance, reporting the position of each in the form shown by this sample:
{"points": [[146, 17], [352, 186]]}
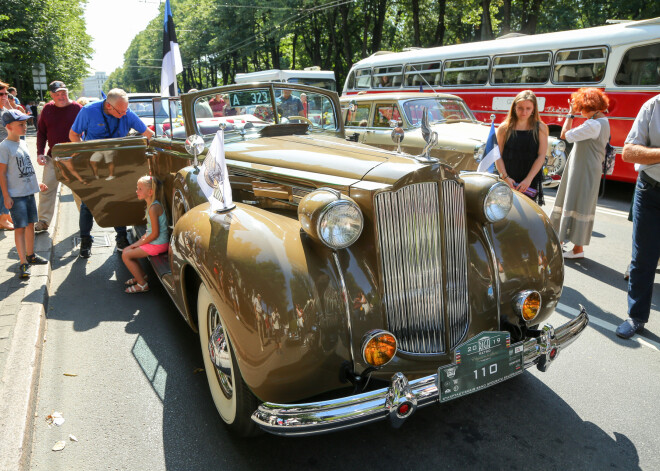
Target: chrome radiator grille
{"points": [[421, 294]]}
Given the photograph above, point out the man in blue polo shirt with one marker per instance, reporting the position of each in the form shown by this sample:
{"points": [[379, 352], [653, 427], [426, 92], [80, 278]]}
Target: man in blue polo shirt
{"points": [[105, 119]]}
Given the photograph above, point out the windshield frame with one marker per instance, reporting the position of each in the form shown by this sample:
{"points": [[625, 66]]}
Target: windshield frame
{"points": [[192, 127]]}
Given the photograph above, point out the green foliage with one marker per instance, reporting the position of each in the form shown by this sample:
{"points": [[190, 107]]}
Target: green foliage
{"points": [[51, 32], [220, 38]]}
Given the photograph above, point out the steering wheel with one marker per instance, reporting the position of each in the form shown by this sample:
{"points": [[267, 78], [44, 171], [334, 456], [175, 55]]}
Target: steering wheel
{"points": [[453, 116], [301, 118]]}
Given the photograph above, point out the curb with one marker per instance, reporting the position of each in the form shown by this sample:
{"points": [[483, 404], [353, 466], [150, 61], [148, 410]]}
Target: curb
{"points": [[18, 386]]}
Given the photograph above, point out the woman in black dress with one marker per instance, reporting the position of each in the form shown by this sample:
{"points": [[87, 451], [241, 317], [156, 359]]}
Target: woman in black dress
{"points": [[523, 142]]}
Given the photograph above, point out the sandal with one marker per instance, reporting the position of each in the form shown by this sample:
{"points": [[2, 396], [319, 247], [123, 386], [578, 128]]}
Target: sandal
{"points": [[137, 288], [133, 281]]}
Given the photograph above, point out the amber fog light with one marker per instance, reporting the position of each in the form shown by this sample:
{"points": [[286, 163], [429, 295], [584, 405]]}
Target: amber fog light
{"points": [[528, 304], [378, 348]]}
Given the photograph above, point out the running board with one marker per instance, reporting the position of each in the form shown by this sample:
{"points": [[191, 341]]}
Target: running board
{"points": [[160, 263]]}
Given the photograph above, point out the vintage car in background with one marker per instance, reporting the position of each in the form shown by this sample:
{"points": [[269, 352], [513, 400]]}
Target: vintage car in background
{"points": [[370, 118], [346, 283]]}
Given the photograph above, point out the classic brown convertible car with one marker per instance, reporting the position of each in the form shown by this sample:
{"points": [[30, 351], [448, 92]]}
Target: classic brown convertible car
{"points": [[347, 284]]}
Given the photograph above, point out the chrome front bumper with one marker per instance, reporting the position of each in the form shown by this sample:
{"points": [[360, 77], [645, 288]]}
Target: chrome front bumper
{"points": [[402, 397]]}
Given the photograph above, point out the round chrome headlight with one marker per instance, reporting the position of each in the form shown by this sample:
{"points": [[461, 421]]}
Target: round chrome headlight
{"points": [[559, 146], [479, 152], [498, 201], [340, 224]]}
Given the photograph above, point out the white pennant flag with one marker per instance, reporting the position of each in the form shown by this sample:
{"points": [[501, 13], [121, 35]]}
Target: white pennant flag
{"points": [[213, 178]]}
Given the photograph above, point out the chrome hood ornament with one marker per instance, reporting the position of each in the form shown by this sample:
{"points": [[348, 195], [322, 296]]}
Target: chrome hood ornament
{"points": [[431, 138]]}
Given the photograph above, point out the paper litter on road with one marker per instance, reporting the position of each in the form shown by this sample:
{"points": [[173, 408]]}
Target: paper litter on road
{"points": [[54, 418], [59, 446], [73, 438]]}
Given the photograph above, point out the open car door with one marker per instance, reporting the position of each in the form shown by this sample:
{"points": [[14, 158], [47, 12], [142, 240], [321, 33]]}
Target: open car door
{"points": [[104, 174]]}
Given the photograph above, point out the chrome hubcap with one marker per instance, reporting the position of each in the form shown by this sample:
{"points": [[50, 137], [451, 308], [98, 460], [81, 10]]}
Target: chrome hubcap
{"points": [[219, 352]]}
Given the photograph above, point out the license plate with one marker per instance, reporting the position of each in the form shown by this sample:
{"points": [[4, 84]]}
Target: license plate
{"points": [[484, 360]]}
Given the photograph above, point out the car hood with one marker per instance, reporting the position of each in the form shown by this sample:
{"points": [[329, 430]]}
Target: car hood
{"points": [[323, 159]]}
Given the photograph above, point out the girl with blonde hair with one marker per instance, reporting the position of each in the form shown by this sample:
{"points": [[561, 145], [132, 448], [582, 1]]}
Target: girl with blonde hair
{"points": [[523, 142], [155, 241]]}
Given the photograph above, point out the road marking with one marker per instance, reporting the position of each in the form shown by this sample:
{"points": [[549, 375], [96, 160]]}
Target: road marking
{"points": [[611, 212], [564, 309]]}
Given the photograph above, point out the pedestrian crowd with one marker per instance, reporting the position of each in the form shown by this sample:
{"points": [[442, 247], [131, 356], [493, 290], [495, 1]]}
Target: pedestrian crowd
{"points": [[522, 139]]}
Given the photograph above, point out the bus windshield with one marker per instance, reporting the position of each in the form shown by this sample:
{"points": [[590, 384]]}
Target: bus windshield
{"points": [[440, 110]]}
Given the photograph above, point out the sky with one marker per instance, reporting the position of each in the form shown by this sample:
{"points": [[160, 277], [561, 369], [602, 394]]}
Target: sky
{"points": [[113, 24]]}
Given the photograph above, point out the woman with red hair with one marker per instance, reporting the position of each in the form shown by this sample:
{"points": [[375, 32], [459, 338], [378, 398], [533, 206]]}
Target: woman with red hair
{"points": [[575, 206]]}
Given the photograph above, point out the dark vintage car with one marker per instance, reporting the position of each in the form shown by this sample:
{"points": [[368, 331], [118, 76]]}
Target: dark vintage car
{"points": [[348, 283], [461, 138]]}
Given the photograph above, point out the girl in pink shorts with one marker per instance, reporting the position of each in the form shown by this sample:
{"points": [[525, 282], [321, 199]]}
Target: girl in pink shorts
{"points": [[154, 242]]}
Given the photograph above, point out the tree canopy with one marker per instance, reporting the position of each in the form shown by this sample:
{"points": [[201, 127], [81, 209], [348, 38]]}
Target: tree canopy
{"points": [[219, 38], [51, 32]]}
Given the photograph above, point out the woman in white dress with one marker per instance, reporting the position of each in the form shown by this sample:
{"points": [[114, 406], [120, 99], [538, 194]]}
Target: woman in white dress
{"points": [[575, 206]]}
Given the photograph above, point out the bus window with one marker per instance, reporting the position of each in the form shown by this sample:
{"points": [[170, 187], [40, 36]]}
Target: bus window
{"points": [[423, 74], [384, 114], [466, 72], [363, 78], [640, 66], [387, 77], [521, 68], [359, 117], [580, 65]]}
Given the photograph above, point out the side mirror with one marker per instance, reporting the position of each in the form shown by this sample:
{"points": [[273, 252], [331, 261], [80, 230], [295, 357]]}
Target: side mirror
{"points": [[397, 136], [352, 106], [194, 146]]}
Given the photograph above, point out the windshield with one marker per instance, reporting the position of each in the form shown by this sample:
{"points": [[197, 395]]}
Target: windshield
{"points": [[439, 109], [142, 107], [253, 109]]}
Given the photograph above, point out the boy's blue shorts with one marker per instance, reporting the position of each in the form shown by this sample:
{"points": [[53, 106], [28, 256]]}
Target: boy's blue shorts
{"points": [[24, 211]]}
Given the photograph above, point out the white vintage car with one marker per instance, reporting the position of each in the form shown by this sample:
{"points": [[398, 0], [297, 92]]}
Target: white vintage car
{"points": [[370, 119]]}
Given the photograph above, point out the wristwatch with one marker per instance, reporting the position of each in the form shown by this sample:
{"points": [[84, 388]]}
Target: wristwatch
{"points": [[571, 116]]}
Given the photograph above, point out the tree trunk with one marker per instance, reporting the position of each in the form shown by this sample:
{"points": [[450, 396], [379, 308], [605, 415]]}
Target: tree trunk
{"points": [[378, 26], [505, 25], [416, 35], [293, 48], [530, 16], [344, 10], [486, 25], [440, 28]]}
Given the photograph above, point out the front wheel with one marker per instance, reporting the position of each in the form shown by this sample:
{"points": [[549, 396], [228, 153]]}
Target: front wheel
{"points": [[232, 397]]}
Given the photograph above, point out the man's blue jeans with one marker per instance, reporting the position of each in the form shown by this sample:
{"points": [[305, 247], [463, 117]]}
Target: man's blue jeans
{"points": [[645, 250], [86, 222]]}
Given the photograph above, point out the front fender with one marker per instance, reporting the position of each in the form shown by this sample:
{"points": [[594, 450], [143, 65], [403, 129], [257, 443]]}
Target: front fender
{"points": [[249, 257], [529, 256]]}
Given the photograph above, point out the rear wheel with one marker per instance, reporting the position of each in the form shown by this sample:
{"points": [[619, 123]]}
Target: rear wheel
{"points": [[232, 397]]}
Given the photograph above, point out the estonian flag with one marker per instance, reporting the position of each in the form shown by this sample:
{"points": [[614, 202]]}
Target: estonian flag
{"points": [[492, 152], [171, 56]]}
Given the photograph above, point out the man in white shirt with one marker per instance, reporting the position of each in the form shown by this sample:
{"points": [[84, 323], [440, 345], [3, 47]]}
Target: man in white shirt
{"points": [[643, 149]]}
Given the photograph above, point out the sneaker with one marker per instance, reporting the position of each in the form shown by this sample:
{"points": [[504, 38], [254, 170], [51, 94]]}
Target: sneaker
{"points": [[35, 259], [122, 243], [41, 226], [111, 177], [85, 247], [24, 270], [572, 255], [629, 328]]}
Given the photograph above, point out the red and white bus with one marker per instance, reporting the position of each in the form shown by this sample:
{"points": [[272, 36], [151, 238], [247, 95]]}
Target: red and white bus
{"points": [[622, 59]]}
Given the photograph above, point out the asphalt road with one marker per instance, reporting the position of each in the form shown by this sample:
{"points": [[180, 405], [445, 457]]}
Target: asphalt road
{"points": [[136, 402]]}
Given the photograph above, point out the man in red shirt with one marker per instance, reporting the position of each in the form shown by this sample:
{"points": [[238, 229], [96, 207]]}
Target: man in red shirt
{"points": [[54, 124]]}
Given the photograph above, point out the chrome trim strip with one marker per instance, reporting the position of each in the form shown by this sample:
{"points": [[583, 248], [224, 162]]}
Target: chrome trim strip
{"points": [[493, 257], [346, 305], [351, 411]]}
